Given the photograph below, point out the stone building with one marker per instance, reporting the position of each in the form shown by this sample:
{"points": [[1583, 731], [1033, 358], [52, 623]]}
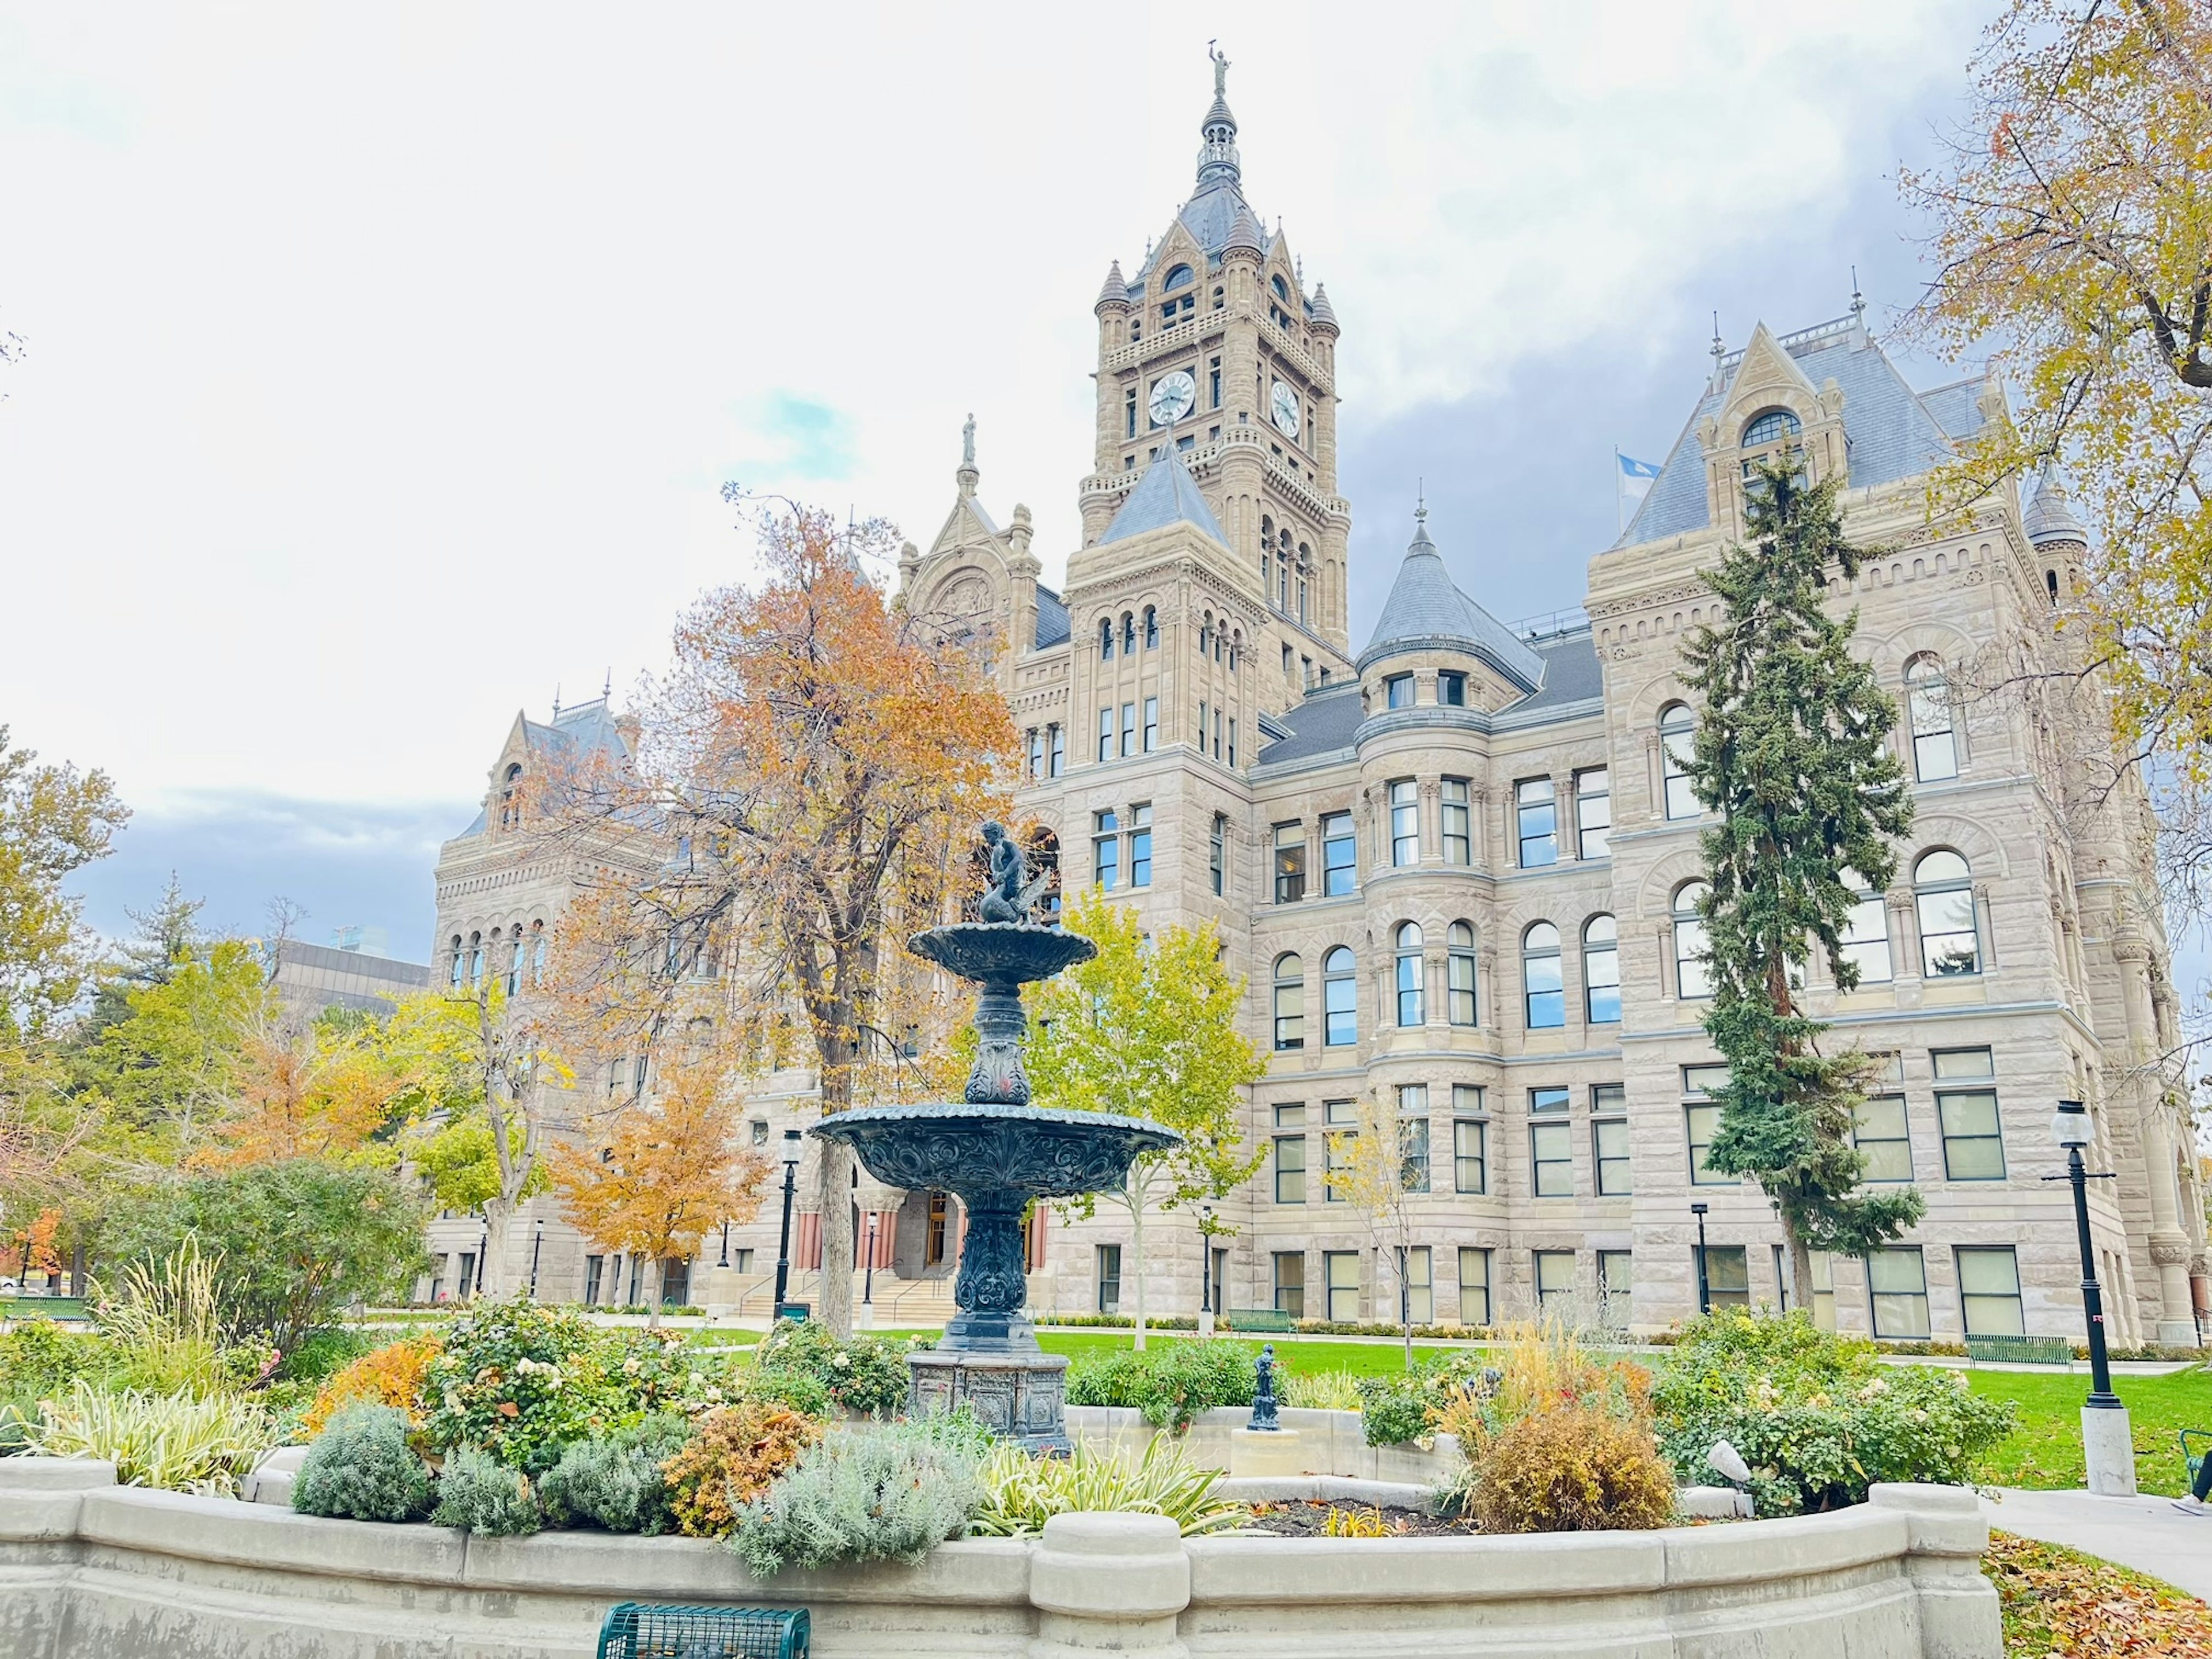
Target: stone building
{"points": [[1457, 868]]}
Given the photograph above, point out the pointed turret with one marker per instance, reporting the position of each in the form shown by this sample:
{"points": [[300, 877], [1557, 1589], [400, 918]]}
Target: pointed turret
{"points": [[1426, 612], [2050, 517], [1166, 495], [1245, 235], [1324, 314], [1115, 295]]}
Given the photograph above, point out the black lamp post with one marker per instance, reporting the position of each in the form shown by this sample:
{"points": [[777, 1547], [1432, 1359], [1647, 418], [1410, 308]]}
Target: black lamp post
{"points": [[1704, 1285], [2107, 1445], [536, 1243], [790, 1154], [725, 1261], [483, 1257], [868, 1276], [1206, 1261]]}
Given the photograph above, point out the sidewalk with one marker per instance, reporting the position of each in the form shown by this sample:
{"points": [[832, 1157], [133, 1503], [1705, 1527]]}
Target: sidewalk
{"points": [[2147, 1533]]}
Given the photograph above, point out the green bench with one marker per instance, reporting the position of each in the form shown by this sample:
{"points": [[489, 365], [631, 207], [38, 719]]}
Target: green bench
{"points": [[639, 1630], [1257, 1319], [42, 1307], [2020, 1350]]}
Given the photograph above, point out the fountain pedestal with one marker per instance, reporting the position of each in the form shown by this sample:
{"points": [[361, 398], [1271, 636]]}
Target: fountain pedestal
{"points": [[998, 1154]]}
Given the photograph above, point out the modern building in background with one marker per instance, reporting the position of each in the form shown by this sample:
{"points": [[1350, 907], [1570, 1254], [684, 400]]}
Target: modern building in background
{"points": [[1458, 867], [352, 972]]}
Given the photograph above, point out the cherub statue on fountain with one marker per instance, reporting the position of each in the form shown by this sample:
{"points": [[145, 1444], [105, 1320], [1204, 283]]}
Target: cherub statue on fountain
{"points": [[1013, 893]]}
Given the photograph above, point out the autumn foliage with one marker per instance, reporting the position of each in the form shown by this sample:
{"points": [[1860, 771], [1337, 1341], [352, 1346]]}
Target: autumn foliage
{"points": [[737, 1454], [393, 1375]]}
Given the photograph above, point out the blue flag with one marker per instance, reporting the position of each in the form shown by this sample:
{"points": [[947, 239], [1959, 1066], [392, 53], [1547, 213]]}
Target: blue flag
{"points": [[1632, 484]]}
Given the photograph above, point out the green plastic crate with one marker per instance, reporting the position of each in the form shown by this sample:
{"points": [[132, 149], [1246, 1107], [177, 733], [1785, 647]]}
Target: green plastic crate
{"points": [[640, 1630]]}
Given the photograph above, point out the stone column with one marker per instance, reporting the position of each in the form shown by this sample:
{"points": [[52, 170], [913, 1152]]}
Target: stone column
{"points": [[2169, 1245], [1111, 1584], [1946, 1535]]}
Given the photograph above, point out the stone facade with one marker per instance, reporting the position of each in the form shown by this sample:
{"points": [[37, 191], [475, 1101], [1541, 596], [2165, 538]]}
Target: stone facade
{"points": [[1450, 870]]}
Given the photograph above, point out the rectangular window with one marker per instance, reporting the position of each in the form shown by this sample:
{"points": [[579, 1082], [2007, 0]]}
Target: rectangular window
{"points": [[1059, 750], [1232, 740], [1289, 863], [1593, 811], [1470, 1161], [1218, 854], [1704, 1118], [1988, 1290], [1953, 1064], [1413, 1137], [1615, 1282], [1398, 691], [1340, 1268], [1140, 846], [1897, 1279], [1417, 1288], [1339, 1117], [1290, 1283], [1824, 1285], [1213, 382], [1473, 1286], [1105, 850], [595, 1270], [1336, 853], [1405, 823], [1549, 1100], [1728, 1276], [1037, 753], [937, 1234], [1152, 724], [1552, 1159], [1539, 822], [1201, 727], [1879, 1131], [1109, 1279], [1451, 690], [1555, 1279], [1128, 728], [1459, 842], [1609, 1139], [1106, 734], [1291, 1154], [1973, 1146], [1866, 937], [742, 1259]]}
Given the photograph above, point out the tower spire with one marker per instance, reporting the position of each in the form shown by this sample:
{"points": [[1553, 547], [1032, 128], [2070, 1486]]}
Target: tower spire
{"points": [[1217, 156]]}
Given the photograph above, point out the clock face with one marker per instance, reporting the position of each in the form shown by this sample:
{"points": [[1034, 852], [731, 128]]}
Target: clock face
{"points": [[1172, 397], [1286, 410]]}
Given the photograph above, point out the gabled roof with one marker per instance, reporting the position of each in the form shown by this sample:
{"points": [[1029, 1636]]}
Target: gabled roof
{"points": [[1320, 725], [581, 729], [1052, 626], [1892, 431], [1425, 609], [1166, 495]]}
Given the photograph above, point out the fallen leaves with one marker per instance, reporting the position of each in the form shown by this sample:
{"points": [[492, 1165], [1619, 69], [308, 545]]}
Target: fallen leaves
{"points": [[2059, 1601]]}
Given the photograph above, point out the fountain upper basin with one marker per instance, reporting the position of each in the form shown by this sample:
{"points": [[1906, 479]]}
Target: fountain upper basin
{"points": [[1029, 1149], [1002, 952]]}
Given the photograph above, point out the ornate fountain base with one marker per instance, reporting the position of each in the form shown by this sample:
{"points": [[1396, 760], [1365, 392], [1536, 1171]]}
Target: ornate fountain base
{"points": [[1020, 1396]]}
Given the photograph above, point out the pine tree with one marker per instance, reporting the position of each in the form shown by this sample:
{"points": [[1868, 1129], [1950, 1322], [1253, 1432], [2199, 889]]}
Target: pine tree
{"points": [[1791, 753]]}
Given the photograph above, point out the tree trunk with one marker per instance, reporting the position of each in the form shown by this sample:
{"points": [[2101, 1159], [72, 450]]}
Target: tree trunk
{"points": [[653, 1294], [1406, 1304], [491, 1281], [1801, 1269], [834, 1196], [1137, 1258]]}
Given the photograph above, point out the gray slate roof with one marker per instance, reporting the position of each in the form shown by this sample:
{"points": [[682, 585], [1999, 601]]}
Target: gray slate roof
{"points": [[2051, 516], [1052, 626], [1321, 724], [1425, 609], [1893, 432], [1572, 673], [583, 728], [1166, 495]]}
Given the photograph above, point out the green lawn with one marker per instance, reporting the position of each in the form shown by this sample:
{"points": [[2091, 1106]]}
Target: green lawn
{"points": [[2046, 1450], [1294, 1354]]}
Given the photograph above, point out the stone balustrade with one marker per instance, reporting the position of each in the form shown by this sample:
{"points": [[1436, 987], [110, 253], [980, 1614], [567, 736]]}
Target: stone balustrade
{"points": [[87, 1567]]}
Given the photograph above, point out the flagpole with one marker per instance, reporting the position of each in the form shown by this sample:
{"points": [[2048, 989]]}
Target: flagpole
{"points": [[1620, 512]]}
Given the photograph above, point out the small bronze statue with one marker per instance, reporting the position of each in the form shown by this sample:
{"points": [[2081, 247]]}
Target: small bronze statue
{"points": [[1014, 892], [1263, 1417]]}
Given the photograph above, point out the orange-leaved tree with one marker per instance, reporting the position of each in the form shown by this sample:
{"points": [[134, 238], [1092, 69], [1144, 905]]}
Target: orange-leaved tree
{"points": [[663, 1171], [815, 763], [324, 1087]]}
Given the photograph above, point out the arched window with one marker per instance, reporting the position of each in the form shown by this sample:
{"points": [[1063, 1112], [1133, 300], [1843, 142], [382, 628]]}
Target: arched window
{"points": [[1410, 975], [1866, 932], [536, 953], [460, 963], [1129, 633], [1543, 989], [1458, 975], [514, 962], [1340, 991], [1206, 634], [1179, 277], [1290, 1003], [1105, 639], [1282, 288], [1235, 648], [1771, 427], [1601, 970], [1943, 894], [510, 808], [1692, 975], [475, 959], [1221, 640], [1927, 698], [1678, 729], [1152, 629]]}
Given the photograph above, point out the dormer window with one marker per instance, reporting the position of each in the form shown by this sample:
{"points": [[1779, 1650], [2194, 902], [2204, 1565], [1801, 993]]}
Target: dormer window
{"points": [[1770, 427], [1282, 288], [1181, 276], [510, 808]]}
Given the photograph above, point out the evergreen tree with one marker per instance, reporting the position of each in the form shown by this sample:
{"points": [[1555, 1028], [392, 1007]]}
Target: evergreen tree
{"points": [[1791, 753]]}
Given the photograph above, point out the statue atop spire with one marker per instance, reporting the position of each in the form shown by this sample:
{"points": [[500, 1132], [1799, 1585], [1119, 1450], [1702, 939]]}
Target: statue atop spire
{"points": [[1217, 157], [968, 476], [1220, 70]]}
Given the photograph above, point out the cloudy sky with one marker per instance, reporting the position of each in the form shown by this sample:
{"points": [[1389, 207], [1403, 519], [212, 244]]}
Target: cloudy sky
{"points": [[383, 363]]}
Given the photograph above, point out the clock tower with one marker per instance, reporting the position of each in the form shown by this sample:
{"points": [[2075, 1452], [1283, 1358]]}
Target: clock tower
{"points": [[1215, 351]]}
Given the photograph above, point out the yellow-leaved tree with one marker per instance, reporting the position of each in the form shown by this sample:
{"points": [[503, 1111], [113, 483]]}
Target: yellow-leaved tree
{"points": [[1378, 1168], [1147, 1027]]}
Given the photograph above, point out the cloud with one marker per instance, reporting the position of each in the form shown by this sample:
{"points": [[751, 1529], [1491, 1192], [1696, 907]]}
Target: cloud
{"points": [[800, 441]]}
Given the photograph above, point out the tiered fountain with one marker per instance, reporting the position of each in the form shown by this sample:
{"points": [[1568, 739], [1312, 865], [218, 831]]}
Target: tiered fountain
{"points": [[997, 1152]]}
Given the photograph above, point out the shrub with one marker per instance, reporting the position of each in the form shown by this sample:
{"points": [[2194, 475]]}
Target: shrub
{"points": [[362, 1468], [1170, 1384], [867, 1375], [476, 1493], [171, 1441], [892, 1493], [168, 1328], [1319, 1391], [1817, 1416], [37, 1360], [393, 1375], [521, 1381], [1572, 1468], [1403, 1405], [1023, 1492], [617, 1483], [739, 1451], [320, 1353]]}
